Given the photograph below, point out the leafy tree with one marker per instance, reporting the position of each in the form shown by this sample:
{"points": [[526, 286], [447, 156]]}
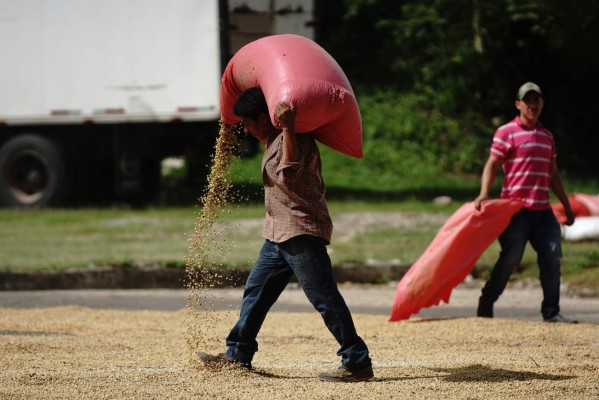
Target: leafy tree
{"points": [[463, 60]]}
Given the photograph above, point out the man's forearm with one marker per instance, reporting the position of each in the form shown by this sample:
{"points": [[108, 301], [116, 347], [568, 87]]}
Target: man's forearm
{"points": [[290, 146]]}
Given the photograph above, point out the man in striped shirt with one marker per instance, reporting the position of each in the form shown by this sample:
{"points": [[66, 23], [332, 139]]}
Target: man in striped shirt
{"points": [[526, 151]]}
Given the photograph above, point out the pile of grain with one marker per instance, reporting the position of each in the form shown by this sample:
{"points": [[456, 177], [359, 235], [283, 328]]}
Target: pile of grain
{"points": [[80, 353]]}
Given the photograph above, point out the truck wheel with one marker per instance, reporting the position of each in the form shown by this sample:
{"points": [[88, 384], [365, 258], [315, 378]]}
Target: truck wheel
{"points": [[33, 172]]}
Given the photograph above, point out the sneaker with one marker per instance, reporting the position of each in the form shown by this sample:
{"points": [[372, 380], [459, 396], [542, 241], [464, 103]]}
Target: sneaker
{"points": [[485, 308], [561, 319], [219, 360], [343, 374]]}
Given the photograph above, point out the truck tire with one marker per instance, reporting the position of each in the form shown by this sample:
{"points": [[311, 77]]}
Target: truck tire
{"points": [[33, 172]]}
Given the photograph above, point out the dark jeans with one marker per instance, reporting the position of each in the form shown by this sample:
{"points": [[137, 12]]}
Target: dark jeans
{"points": [[543, 232], [306, 257]]}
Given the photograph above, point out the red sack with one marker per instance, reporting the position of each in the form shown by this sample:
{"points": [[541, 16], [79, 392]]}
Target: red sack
{"points": [[589, 202], [296, 70], [451, 255], [578, 208]]}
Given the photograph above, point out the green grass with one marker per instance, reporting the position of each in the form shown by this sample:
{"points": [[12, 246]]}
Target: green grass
{"points": [[350, 179], [61, 239], [77, 238]]}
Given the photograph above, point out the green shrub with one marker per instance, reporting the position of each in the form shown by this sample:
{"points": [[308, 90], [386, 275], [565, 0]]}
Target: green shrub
{"points": [[405, 134]]}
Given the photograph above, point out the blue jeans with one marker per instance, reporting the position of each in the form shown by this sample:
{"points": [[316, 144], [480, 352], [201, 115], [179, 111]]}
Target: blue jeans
{"points": [[306, 257], [543, 232]]}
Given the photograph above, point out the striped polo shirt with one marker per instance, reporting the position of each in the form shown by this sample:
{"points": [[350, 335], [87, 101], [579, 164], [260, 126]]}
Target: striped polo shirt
{"points": [[526, 154]]}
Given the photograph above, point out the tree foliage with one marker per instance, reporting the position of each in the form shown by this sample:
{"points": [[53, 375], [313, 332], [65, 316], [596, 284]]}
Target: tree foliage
{"points": [[463, 60]]}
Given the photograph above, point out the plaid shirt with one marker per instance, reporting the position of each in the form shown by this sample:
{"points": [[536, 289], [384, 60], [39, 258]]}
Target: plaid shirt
{"points": [[294, 193]]}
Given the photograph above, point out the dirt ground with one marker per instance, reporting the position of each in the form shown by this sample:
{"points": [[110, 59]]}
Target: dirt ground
{"points": [[74, 352], [68, 345]]}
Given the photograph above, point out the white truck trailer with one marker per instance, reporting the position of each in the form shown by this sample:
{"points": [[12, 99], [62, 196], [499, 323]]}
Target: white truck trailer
{"points": [[95, 93]]}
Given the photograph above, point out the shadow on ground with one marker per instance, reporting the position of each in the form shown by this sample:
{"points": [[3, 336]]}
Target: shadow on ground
{"points": [[481, 373]]}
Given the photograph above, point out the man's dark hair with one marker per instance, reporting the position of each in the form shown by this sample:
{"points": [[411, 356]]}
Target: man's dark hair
{"points": [[250, 104]]}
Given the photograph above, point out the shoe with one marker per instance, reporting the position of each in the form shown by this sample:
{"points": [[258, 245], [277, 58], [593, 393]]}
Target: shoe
{"points": [[485, 308], [343, 374], [220, 360], [561, 319]]}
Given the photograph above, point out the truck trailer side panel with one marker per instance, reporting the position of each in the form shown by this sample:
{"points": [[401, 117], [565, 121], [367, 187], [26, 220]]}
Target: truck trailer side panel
{"points": [[109, 61]]}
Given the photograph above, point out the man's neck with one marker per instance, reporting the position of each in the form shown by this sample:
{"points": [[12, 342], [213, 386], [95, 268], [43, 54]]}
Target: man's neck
{"points": [[532, 123]]}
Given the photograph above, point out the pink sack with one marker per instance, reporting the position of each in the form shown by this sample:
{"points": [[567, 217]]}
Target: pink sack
{"points": [[578, 208], [591, 202], [451, 255], [296, 70], [583, 205]]}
